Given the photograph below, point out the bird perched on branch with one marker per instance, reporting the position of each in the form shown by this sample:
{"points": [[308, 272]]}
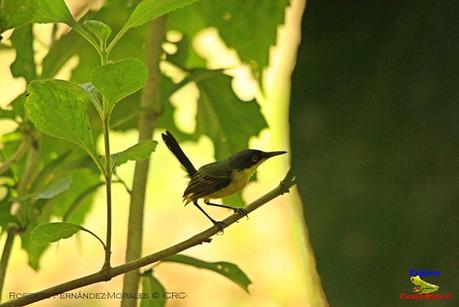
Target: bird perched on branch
{"points": [[218, 179]]}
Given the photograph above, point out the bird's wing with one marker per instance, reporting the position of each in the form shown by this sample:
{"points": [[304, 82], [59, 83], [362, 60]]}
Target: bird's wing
{"points": [[209, 179]]}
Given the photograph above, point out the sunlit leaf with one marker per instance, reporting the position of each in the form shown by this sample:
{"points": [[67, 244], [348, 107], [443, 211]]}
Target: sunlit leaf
{"points": [[120, 79], [140, 151], [99, 29], [16, 13], [227, 269], [60, 108], [148, 10], [52, 232], [248, 26]]}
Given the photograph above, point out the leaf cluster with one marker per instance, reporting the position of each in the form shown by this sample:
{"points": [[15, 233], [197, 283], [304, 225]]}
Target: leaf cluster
{"points": [[58, 120]]}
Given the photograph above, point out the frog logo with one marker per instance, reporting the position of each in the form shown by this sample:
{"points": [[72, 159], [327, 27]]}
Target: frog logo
{"points": [[421, 286]]}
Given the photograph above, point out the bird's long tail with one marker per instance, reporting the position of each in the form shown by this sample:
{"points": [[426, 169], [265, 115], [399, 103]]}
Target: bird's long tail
{"points": [[175, 148]]}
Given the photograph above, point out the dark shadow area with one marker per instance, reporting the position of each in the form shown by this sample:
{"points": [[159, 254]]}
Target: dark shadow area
{"points": [[375, 137]]}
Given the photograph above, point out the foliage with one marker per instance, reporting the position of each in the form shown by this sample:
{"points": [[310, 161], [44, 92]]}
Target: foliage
{"points": [[55, 178], [227, 269]]}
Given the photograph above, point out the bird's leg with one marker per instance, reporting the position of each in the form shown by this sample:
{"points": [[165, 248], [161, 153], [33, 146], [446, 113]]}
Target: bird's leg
{"points": [[220, 225], [241, 211]]}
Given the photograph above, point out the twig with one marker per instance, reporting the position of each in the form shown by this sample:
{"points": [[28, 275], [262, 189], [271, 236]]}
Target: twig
{"points": [[6, 256], [108, 188], [105, 275], [123, 183]]}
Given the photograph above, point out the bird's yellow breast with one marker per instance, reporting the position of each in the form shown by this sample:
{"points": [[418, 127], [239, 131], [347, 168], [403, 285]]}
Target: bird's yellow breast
{"points": [[240, 180]]}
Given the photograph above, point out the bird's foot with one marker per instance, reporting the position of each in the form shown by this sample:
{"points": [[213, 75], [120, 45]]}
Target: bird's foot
{"points": [[242, 212], [220, 225]]}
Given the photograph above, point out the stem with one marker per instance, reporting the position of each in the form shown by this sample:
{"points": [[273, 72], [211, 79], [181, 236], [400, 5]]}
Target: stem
{"points": [[116, 39], [150, 106], [94, 235], [80, 30], [6, 256], [108, 188], [197, 239], [123, 183]]}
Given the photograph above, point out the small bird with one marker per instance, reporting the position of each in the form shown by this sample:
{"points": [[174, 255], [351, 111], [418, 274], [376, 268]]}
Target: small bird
{"points": [[218, 179]]}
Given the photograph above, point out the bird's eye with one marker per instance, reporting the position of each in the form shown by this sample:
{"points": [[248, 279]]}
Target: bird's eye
{"points": [[254, 158]]}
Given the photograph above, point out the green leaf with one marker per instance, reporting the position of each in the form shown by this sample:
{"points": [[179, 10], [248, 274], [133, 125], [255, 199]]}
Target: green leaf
{"points": [[140, 151], [248, 26], [155, 291], [227, 269], [15, 13], [34, 251], [52, 232], [148, 10], [24, 64], [70, 44], [60, 108], [227, 120], [120, 79], [54, 188], [99, 29]]}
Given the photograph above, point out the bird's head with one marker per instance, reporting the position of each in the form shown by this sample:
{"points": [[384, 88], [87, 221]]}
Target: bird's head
{"points": [[250, 159]]}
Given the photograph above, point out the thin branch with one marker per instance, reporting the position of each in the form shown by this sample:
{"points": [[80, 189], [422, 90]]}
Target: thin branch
{"points": [[150, 106], [197, 239], [108, 188], [94, 235], [122, 182], [6, 256]]}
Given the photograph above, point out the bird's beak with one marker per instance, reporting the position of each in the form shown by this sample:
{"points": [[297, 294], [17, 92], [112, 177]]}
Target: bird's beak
{"points": [[273, 153]]}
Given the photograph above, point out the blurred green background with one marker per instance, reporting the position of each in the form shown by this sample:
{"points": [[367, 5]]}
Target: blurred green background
{"points": [[375, 136]]}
